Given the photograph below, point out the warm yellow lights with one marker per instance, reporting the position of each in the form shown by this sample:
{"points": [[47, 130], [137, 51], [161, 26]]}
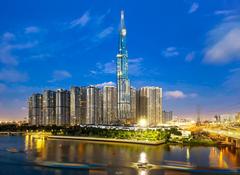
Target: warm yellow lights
{"points": [[142, 123], [143, 158]]}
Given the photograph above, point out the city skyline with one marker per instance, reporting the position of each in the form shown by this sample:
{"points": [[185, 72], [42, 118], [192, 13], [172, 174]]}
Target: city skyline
{"points": [[108, 105], [191, 75]]}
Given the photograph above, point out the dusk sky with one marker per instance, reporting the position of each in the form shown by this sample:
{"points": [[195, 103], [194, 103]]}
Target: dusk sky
{"points": [[189, 48]]}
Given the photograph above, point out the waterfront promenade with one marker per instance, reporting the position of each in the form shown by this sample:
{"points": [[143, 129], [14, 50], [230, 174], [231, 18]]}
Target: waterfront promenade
{"points": [[146, 142]]}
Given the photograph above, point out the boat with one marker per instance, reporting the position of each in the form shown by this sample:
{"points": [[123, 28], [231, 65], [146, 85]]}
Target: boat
{"points": [[12, 150]]}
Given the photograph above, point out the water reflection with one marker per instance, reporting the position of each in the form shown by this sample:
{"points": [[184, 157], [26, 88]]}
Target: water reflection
{"points": [[188, 154], [143, 158], [119, 157], [142, 162], [225, 157]]}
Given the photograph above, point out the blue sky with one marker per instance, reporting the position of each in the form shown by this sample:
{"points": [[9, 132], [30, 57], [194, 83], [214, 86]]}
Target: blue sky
{"points": [[189, 48]]}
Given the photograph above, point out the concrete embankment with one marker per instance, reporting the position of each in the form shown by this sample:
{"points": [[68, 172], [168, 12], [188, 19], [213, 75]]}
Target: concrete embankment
{"points": [[108, 140]]}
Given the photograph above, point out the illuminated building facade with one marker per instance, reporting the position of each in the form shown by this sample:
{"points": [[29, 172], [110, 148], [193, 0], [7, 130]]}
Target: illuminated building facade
{"points": [[151, 105], [35, 114], [49, 107], [133, 112], [167, 116], [123, 83], [109, 105], [94, 106], [62, 107], [31, 120], [78, 104]]}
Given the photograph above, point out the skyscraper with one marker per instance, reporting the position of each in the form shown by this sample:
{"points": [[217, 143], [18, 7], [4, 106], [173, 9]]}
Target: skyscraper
{"points": [[94, 106], [49, 107], [62, 107], [123, 84], [109, 105], [151, 104], [78, 96], [35, 109]]}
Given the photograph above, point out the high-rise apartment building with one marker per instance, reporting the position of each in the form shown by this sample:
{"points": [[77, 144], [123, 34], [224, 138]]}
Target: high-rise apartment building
{"points": [[167, 116], [94, 106], [31, 120], [35, 110], [49, 107], [123, 83], [78, 104], [133, 94], [62, 107], [150, 105], [109, 105]]}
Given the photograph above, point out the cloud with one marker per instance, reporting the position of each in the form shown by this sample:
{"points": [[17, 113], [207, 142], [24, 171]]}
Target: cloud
{"points": [[135, 67], [8, 36], [135, 60], [97, 29], [82, 21], [59, 75], [6, 56], [170, 52], [41, 56], [190, 56], [109, 67], [110, 83], [177, 94], [12, 76], [232, 82], [93, 72], [23, 108], [192, 95], [7, 48], [106, 68], [224, 44], [100, 18], [31, 29], [193, 8], [224, 12], [105, 32]]}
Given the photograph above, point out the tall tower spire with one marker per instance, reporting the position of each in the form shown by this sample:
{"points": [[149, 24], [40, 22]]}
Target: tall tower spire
{"points": [[122, 19], [123, 84]]}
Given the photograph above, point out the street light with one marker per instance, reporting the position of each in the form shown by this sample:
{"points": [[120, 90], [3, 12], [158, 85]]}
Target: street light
{"points": [[142, 123]]}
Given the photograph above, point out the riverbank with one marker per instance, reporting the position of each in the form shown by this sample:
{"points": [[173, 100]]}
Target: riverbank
{"points": [[194, 143], [143, 142]]}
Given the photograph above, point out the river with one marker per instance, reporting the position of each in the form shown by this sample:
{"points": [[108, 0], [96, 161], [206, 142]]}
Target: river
{"points": [[34, 152]]}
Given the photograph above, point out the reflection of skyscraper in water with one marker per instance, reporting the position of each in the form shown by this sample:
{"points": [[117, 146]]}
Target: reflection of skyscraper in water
{"points": [[223, 157], [188, 154]]}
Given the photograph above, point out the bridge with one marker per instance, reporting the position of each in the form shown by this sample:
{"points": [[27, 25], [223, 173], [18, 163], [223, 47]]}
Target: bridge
{"points": [[231, 137]]}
